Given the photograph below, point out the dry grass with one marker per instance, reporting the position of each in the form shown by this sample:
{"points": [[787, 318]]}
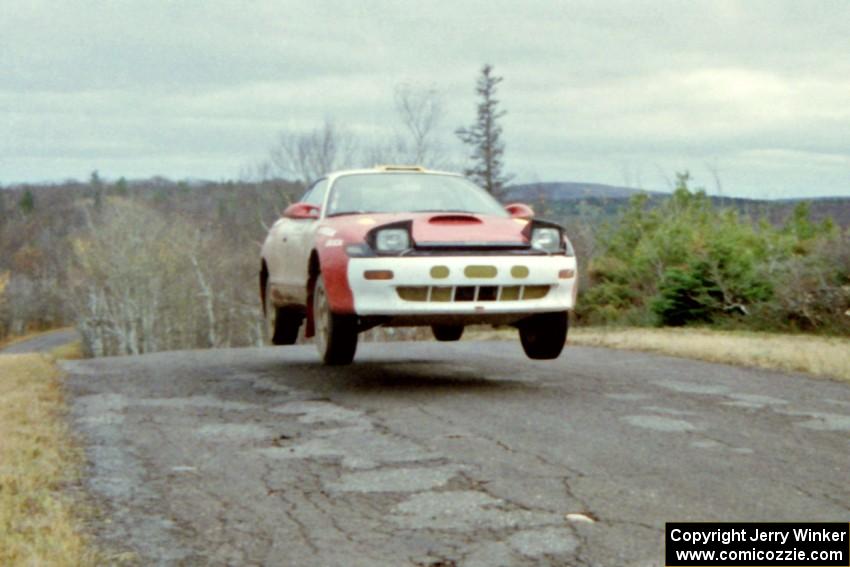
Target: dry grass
{"points": [[38, 462], [69, 351], [821, 356]]}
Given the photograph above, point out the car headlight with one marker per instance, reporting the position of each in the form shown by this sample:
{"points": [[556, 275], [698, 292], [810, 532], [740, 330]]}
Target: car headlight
{"points": [[547, 239], [392, 240]]}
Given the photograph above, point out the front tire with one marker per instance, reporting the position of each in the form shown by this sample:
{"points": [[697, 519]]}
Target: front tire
{"points": [[336, 335], [543, 336], [447, 333]]}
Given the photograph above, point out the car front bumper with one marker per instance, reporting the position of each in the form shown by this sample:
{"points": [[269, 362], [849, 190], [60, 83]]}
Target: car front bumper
{"points": [[467, 286]]}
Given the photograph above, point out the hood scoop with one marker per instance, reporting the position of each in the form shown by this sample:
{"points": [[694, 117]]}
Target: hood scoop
{"points": [[451, 230], [454, 219]]}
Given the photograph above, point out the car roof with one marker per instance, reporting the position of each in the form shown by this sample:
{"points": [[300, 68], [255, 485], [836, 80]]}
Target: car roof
{"points": [[389, 170]]}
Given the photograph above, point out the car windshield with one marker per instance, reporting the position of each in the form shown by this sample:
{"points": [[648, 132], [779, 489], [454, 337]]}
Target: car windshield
{"points": [[409, 193]]}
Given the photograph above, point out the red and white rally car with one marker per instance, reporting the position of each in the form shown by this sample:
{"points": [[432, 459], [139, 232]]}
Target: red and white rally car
{"points": [[404, 246]]}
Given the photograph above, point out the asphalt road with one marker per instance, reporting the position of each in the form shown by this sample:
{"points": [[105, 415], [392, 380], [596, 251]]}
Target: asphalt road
{"points": [[435, 454], [42, 343]]}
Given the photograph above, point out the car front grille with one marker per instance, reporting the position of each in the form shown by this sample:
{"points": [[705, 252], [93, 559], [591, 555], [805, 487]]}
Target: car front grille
{"points": [[460, 293]]}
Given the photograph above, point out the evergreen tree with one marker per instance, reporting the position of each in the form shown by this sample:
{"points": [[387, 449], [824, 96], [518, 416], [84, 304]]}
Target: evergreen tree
{"points": [[121, 187], [27, 202], [485, 136]]}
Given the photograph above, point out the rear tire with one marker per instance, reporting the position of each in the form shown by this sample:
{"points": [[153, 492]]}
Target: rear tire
{"points": [[336, 335], [447, 333], [282, 324], [543, 336]]}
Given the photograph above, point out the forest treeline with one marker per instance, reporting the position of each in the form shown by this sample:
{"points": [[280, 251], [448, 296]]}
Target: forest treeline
{"points": [[156, 265], [137, 266], [687, 261], [142, 266]]}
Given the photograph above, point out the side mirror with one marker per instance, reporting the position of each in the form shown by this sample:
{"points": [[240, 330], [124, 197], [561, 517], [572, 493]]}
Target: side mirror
{"points": [[301, 211], [520, 211]]}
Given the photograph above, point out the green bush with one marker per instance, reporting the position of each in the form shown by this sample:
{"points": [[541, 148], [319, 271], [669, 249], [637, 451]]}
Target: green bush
{"points": [[686, 295], [684, 261]]}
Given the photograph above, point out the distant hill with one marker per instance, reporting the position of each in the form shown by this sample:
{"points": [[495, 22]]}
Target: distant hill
{"points": [[568, 198], [570, 191], [835, 208]]}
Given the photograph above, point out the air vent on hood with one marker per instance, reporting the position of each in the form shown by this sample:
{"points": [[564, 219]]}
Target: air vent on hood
{"points": [[454, 219]]}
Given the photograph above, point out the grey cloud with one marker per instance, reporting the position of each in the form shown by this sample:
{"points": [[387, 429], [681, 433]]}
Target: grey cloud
{"points": [[200, 88]]}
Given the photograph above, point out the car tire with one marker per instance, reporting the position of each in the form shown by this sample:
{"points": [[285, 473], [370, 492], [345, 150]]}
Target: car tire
{"points": [[447, 333], [336, 335], [543, 336], [282, 324]]}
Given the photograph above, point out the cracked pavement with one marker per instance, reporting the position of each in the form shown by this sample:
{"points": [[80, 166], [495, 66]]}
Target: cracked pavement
{"points": [[433, 454]]}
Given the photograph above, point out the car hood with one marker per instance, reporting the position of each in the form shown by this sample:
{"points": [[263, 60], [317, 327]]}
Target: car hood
{"points": [[441, 229]]}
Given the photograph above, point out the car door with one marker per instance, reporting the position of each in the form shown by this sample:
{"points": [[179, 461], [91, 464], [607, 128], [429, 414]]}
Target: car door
{"points": [[299, 235]]}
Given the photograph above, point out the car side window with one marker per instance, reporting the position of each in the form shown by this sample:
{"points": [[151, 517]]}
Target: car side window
{"points": [[316, 194]]}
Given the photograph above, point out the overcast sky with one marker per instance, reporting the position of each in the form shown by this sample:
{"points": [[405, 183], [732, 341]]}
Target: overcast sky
{"points": [[612, 92]]}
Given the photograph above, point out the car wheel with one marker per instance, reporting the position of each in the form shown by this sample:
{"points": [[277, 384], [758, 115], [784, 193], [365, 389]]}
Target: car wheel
{"points": [[543, 336], [281, 324], [447, 333], [336, 335]]}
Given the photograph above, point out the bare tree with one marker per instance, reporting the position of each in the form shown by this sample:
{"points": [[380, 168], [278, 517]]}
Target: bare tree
{"points": [[420, 111], [395, 151], [714, 169], [207, 294], [120, 284], [306, 156], [668, 181]]}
